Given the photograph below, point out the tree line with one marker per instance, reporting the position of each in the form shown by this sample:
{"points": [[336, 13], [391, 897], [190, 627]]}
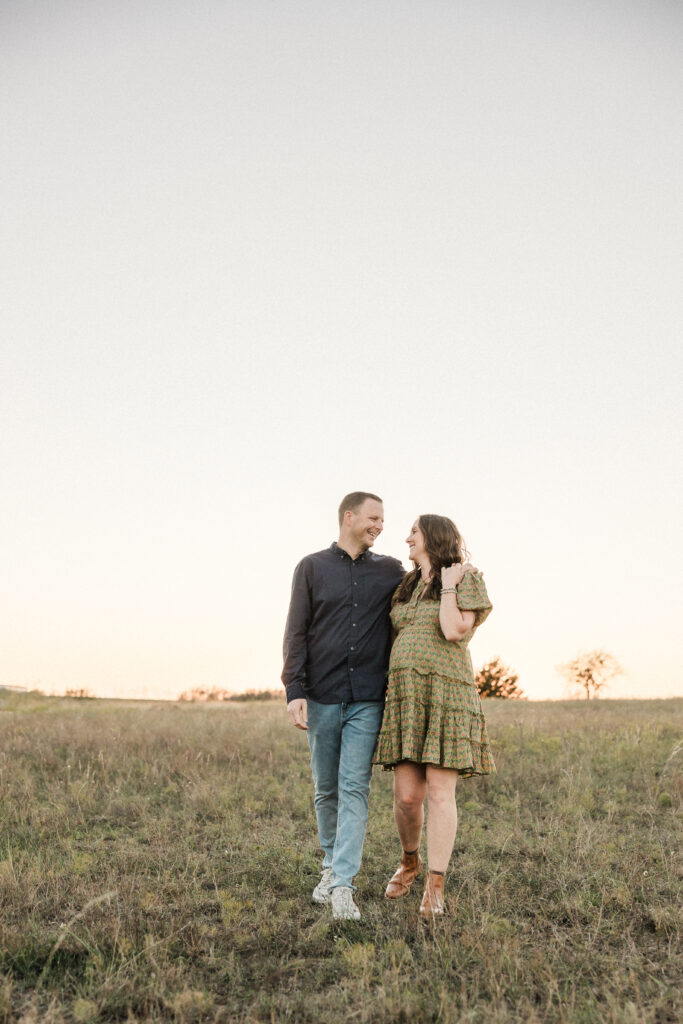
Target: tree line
{"points": [[587, 675]]}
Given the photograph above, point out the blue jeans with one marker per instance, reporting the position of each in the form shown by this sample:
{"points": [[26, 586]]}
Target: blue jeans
{"points": [[342, 739]]}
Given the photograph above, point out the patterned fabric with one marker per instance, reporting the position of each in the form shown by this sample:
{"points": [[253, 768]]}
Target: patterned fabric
{"points": [[433, 713]]}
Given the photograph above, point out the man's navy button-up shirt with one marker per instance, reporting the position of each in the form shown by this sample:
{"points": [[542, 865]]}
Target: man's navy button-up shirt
{"points": [[338, 632]]}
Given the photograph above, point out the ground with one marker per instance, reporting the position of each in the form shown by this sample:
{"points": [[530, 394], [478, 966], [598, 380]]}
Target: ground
{"points": [[157, 860]]}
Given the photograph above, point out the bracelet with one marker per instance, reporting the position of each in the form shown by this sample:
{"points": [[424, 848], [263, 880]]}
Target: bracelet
{"points": [[449, 590]]}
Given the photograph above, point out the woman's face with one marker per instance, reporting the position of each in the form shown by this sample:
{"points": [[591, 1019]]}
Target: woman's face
{"points": [[416, 543]]}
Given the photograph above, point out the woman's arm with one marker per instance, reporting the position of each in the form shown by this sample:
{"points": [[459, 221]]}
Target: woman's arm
{"points": [[455, 624]]}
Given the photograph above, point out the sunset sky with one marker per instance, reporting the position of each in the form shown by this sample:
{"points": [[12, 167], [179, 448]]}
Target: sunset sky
{"points": [[258, 254]]}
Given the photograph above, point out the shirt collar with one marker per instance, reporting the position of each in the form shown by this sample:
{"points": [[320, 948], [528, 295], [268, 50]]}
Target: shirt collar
{"points": [[340, 553]]}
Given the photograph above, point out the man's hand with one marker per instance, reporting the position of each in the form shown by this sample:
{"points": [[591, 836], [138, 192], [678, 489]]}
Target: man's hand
{"points": [[298, 713]]}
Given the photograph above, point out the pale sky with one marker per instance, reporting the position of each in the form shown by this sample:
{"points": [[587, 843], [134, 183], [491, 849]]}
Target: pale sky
{"points": [[256, 255]]}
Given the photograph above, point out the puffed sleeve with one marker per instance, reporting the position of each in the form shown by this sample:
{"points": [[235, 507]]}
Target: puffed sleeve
{"points": [[472, 596]]}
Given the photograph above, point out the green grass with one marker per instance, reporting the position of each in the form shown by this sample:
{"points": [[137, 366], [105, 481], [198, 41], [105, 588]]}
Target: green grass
{"points": [[156, 863]]}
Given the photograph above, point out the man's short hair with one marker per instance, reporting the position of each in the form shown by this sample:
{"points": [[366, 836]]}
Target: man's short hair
{"points": [[353, 501]]}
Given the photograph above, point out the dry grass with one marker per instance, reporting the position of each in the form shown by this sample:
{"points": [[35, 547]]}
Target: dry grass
{"points": [[156, 863]]}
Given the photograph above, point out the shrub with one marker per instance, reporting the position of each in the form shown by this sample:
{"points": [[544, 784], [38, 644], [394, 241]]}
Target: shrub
{"points": [[494, 679]]}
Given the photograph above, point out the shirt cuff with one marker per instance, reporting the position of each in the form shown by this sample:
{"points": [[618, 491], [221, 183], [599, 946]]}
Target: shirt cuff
{"points": [[294, 692]]}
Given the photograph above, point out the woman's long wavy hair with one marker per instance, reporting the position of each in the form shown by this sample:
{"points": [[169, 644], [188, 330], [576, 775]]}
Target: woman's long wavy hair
{"points": [[445, 545]]}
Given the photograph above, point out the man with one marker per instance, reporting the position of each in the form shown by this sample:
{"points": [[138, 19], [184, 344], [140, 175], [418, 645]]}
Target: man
{"points": [[336, 652]]}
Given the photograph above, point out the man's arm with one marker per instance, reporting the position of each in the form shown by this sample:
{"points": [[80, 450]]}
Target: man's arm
{"points": [[295, 647]]}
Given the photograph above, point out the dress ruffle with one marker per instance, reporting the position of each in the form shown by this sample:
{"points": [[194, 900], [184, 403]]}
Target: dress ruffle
{"points": [[432, 719]]}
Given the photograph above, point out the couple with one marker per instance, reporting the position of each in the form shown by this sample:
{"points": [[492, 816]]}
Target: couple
{"points": [[346, 603]]}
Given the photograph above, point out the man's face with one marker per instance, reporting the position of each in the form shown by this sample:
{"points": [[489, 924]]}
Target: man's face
{"points": [[367, 522]]}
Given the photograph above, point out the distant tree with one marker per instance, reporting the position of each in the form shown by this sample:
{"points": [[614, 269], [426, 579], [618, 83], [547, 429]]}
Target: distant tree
{"points": [[590, 672], [214, 694], [494, 679], [80, 694], [200, 695]]}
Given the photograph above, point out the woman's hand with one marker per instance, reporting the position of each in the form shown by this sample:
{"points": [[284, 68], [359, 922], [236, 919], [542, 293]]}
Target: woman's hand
{"points": [[451, 575]]}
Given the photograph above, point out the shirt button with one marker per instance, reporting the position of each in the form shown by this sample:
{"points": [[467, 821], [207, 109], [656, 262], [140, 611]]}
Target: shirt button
{"points": [[350, 670], [353, 624], [353, 648], [355, 605]]}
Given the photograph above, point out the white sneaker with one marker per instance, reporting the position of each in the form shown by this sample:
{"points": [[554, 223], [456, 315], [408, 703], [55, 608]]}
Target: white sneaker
{"points": [[321, 893], [343, 907]]}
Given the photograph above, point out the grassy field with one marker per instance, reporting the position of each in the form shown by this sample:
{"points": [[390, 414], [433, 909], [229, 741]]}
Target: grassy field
{"points": [[156, 863]]}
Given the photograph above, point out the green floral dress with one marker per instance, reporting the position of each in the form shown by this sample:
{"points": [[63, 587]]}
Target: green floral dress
{"points": [[433, 713]]}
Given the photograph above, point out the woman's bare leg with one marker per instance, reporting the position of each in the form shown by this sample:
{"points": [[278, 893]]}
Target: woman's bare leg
{"points": [[410, 789], [442, 816]]}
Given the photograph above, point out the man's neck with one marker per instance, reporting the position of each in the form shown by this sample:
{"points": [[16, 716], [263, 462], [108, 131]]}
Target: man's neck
{"points": [[352, 548]]}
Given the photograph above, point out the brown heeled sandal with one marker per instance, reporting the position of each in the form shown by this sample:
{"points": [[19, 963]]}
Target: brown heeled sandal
{"points": [[404, 876]]}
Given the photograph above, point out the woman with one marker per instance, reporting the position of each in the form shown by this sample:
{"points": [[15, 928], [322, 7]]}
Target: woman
{"points": [[433, 728]]}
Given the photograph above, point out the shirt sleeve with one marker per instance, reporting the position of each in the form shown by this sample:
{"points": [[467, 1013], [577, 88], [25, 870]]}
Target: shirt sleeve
{"points": [[295, 646], [400, 571], [472, 596]]}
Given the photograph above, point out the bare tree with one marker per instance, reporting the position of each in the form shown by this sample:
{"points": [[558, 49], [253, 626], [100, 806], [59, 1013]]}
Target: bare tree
{"points": [[494, 679], [590, 672]]}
